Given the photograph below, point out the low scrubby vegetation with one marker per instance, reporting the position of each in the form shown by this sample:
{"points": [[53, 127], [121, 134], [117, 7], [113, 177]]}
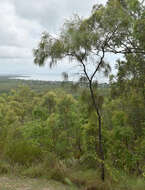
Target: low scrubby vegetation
{"points": [[53, 135]]}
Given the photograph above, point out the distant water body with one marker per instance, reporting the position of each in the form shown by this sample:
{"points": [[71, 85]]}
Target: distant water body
{"points": [[43, 77], [38, 77], [46, 77]]}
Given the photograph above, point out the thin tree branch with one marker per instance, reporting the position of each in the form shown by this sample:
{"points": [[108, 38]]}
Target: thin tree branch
{"points": [[97, 68]]}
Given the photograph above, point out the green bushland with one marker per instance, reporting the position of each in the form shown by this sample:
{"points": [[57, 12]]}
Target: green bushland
{"points": [[50, 135]]}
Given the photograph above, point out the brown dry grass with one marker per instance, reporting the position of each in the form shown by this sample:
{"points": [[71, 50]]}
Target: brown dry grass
{"points": [[14, 183]]}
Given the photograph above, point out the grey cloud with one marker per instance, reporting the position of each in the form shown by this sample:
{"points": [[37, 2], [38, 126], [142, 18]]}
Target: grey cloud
{"points": [[18, 35], [23, 21], [14, 52], [47, 13], [51, 13]]}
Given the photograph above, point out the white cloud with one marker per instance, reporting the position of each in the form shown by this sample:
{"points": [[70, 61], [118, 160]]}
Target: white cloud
{"points": [[14, 52], [51, 13], [18, 35], [23, 21]]}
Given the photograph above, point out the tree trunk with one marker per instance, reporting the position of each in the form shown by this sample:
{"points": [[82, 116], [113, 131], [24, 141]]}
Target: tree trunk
{"points": [[101, 148], [101, 152]]}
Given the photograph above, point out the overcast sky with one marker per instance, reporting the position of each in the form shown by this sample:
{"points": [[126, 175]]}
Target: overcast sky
{"points": [[21, 25]]}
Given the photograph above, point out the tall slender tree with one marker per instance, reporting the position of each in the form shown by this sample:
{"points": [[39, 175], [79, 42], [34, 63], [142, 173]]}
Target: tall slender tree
{"points": [[112, 28]]}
